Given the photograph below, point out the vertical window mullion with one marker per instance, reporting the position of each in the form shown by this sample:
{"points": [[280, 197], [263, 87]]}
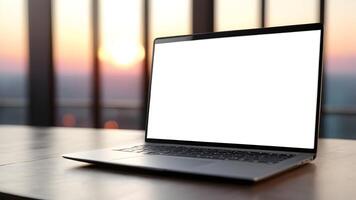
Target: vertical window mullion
{"points": [[96, 67], [203, 16], [41, 71], [146, 66], [263, 13]]}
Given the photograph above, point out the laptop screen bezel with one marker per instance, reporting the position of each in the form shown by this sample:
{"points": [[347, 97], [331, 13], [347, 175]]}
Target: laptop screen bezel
{"points": [[258, 31]]}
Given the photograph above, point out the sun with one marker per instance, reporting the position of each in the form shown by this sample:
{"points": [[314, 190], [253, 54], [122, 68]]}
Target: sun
{"points": [[123, 55]]}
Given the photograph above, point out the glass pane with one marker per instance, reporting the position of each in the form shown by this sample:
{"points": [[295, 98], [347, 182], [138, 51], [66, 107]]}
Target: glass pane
{"points": [[282, 12], [72, 59], [340, 67], [338, 126], [169, 18], [236, 14], [13, 61], [121, 57]]}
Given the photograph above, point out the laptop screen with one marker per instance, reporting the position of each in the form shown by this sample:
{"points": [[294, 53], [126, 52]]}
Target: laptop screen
{"points": [[251, 89]]}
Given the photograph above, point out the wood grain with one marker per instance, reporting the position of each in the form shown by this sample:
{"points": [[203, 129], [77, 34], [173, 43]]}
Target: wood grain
{"points": [[31, 166]]}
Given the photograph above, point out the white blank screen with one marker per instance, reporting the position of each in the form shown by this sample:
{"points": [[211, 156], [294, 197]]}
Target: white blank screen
{"points": [[255, 90]]}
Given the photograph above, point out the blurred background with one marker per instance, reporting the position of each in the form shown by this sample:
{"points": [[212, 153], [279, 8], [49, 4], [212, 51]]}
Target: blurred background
{"points": [[88, 60]]}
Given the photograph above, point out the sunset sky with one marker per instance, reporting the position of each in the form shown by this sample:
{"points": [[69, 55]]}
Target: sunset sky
{"points": [[13, 41], [71, 36], [121, 33], [121, 44], [240, 14]]}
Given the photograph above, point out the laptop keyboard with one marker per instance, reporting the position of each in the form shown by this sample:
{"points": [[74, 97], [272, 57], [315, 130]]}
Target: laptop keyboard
{"points": [[208, 153]]}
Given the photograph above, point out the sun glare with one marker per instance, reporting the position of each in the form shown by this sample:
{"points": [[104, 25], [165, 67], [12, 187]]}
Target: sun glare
{"points": [[122, 55]]}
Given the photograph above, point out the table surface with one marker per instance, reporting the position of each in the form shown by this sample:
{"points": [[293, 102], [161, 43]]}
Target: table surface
{"points": [[31, 166]]}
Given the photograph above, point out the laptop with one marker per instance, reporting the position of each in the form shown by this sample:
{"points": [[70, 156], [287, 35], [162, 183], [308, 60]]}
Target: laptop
{"points": [[238, 104]]}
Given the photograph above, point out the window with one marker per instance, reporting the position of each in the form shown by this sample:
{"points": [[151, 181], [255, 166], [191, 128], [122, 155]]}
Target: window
{"points": [[236, 14], [340, 69], [13, 62], [122, 57], [281, 12], [72, 61]]}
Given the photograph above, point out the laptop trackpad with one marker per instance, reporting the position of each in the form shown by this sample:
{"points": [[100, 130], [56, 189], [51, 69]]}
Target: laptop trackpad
{"points": [[164, 162]]}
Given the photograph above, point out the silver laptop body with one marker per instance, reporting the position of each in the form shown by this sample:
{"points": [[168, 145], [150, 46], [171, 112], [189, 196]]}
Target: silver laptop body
{"points": [[238, 104]]}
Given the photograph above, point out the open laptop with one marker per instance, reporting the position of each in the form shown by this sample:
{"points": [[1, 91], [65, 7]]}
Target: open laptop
{"points": [[238, 104]]}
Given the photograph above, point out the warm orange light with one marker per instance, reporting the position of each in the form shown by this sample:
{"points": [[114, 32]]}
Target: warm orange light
{"points": [[69, 120], [111, 124], [122, 55]]}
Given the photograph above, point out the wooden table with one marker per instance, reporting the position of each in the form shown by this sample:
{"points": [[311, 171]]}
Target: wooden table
{"points": [[31, 166]]}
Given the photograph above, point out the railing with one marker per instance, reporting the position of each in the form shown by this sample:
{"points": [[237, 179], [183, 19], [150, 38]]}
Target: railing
{"points": [[137, 105]]}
